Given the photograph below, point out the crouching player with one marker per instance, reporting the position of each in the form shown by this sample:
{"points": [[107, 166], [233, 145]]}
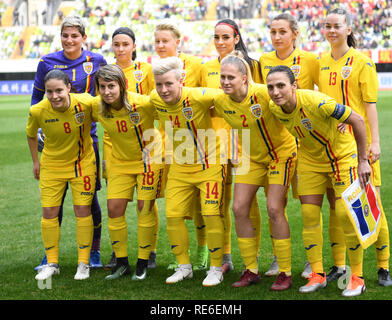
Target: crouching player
{"points": [[184, 113], [325, 156], [68, 157], [127, 117]]}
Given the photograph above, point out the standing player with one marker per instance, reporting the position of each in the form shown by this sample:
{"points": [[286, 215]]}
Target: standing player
{"points": [[272, 156], [284, 33], [80, 65], [167, 41], [227, 38], [195, 171], [139, 79], [126, 118], [326, 156], [68, 157], [351, 78]]}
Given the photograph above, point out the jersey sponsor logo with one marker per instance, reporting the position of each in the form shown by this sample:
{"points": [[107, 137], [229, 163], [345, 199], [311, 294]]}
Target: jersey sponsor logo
{"points": [[213, 73], [188, 113], [268, 67], [60, 66], [161, 110], [138, 74], [79, 117], [296, 70], [256, 110], [88, 67], [324, 68], [51, 120], [134, 117], [310, 246], [346, 71], [307, 124], [229, 111]]}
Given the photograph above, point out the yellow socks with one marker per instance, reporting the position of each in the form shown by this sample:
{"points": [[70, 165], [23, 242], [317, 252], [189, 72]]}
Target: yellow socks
{"points": [[50, 230], [84, 237], [146, 228], [118, 231], [178, 239], [283, 254], [336, 236], [215, 239], [248, 250], [312, 236]]}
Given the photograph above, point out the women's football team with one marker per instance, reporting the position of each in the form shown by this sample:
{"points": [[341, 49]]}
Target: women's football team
{"points": [[273, 129]]}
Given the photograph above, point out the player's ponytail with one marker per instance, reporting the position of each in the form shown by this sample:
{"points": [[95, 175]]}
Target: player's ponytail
{"points": [[112, 72], [351, 41]]}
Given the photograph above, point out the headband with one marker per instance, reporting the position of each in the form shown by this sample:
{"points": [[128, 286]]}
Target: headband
{"points": [[126, 31], [227, 24]]}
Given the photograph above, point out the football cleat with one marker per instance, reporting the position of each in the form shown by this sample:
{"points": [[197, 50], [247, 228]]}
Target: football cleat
{"points": [[43, 263], [82, 272], [355, 287], [283, 282], [47, 271], [184, 271], [201, 258], [335, 273], [307, 271], [118, 271], [95, 259], [141, 270], [152, 263], [273, 270], [227, 264], [214, 277], [384, 277], [316, 281], [112, 262], [247, 278]]}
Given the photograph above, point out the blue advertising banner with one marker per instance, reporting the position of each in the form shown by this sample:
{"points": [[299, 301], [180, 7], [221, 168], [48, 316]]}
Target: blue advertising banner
{"points": [[16, 87]]}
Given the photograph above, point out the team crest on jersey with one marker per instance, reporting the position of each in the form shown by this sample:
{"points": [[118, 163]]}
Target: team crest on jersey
{"points": [[88, 67], [307, 124], [346, 71], [296, 70], [188, 113], [183, 75], [79, 117], [134, 117], [138, 74], [256, 110]]}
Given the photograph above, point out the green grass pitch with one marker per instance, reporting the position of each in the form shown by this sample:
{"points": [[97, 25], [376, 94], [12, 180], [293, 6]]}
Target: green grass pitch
{"points": [[21, 247]]}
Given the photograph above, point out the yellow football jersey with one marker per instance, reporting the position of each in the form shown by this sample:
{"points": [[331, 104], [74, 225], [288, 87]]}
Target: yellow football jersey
{"points": [[351, 80], [192, 70], [269, 139], [140, 78], [68, 143], [135, 148], [304, 65], [186, 127], [314, 122]]}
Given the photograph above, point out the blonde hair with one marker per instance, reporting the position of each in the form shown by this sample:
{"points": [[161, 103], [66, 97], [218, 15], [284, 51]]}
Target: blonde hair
{"points": [[236, 58], [74, 22], [112, 72], [165, 65], [169, 27]]}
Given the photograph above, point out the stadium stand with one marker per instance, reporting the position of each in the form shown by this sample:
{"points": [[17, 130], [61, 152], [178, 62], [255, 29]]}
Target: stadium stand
{"points": [[372, 20]]}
